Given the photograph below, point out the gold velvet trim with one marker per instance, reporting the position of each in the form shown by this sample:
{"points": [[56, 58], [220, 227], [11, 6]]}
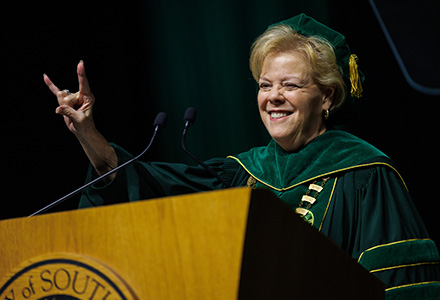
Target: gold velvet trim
{"points": [[405, 266], [412, 284]]}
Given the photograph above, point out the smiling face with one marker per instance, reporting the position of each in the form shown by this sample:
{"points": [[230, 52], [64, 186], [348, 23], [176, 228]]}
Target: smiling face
{"points": [[291, 104]]}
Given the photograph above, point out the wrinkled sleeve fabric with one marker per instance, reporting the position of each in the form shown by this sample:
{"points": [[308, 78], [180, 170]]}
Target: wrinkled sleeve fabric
{"points": [[147, 180], [374, 219]]}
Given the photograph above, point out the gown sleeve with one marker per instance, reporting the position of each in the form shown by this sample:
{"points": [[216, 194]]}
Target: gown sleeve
{"points": [[147, 180], [383, 230]]}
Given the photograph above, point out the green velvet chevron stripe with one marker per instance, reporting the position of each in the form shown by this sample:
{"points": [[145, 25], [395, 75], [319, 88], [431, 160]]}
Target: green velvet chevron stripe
{"points": [[419, 291], [399, 255]]}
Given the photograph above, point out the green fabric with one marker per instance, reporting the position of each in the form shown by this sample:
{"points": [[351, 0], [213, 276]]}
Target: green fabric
{"points": [[156, 179], [427, 291], [400, 254], [329, 153]]}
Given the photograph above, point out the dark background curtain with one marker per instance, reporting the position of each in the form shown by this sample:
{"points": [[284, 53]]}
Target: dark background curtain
{"points": [[143, 57]]}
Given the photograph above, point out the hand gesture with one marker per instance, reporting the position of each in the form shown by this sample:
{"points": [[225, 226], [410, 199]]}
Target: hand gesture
{"points": [[76, 108]]}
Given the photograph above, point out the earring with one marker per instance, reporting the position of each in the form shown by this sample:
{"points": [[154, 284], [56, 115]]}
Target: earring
{"points": [[326, 114]]}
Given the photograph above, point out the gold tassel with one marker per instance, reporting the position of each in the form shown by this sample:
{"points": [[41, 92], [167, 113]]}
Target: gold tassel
{"points": [[355, 79]]}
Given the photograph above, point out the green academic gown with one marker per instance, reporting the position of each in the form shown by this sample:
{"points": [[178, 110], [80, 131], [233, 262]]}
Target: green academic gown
{"points": [[346, 188]]}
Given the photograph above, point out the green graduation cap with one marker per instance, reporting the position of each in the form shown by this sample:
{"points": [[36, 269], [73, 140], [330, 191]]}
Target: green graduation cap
{"points": [[308, 26]]}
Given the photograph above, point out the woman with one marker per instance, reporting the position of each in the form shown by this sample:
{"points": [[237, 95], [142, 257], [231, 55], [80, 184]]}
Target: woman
{"points": [[340, 184]]}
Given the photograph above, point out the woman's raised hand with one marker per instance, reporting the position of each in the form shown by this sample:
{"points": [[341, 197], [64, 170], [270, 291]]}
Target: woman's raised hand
{"points": [[76, 108], [77, 112]]}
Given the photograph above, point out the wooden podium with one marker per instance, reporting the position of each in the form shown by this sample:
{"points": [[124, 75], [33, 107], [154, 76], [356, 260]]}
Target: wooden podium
{"points": [[231, 244]]}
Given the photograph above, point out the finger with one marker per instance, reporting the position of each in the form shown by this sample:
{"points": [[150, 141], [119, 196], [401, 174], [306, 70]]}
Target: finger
{"points": [[50, 84], [62, 98], [68, 112], [71, 100], [84, 87]]}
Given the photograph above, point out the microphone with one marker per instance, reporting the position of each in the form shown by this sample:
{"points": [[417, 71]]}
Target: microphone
{"points": [[159, 123], [189, 118]]}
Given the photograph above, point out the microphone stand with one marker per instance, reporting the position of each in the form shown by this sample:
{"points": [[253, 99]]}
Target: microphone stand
{"points": [[158, 123], [189, 118]]}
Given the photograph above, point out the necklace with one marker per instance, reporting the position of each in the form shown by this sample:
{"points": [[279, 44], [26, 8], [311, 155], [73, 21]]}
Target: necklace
{"points": [[309, 198]]}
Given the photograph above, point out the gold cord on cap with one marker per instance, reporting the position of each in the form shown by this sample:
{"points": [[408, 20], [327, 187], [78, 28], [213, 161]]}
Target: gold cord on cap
{"points": [[355, 79]]}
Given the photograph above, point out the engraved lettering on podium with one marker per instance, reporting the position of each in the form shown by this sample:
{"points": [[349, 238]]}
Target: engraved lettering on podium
{"points": [[64, 277]]}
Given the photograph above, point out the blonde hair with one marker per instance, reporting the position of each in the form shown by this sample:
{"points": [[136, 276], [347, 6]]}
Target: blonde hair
{"points": [[317, 51]]}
